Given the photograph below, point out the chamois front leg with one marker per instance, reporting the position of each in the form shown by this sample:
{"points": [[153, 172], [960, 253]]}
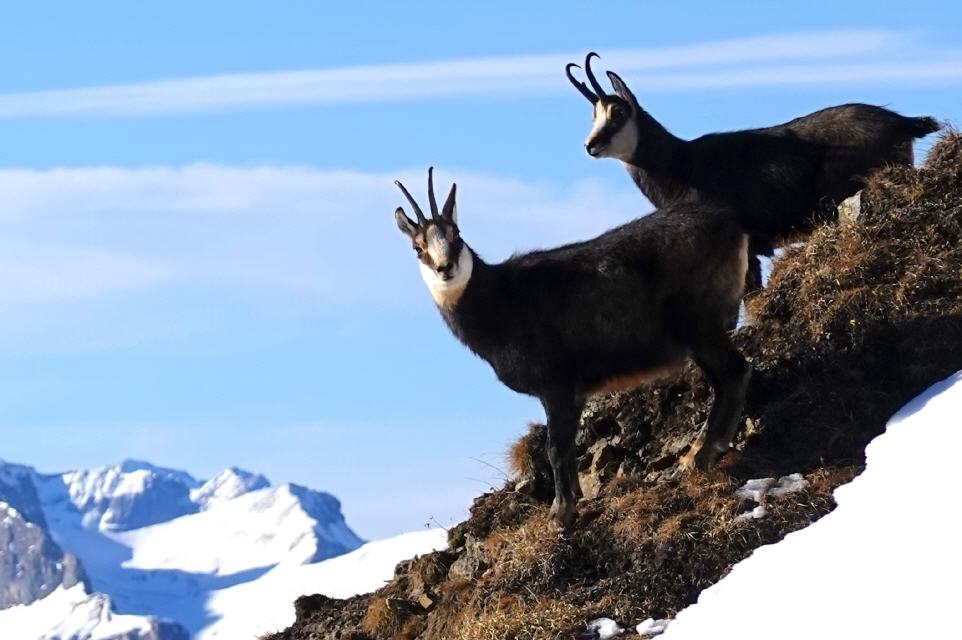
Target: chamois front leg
{"points": [[563, 413], [729, 375]]}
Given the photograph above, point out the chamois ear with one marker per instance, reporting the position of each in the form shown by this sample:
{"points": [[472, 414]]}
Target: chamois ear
{"points": [[622, 89], [450, 209], [404, 223]]}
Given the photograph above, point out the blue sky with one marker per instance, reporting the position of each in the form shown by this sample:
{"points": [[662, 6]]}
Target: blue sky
{"points": [[198, 260]]}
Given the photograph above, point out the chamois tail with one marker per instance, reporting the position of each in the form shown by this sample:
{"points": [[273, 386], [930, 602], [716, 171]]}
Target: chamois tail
{"points": [[922, 126]]}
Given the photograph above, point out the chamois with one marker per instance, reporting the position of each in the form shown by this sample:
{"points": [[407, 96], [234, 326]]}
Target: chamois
{"points": [[780, 181], [605, 314]]}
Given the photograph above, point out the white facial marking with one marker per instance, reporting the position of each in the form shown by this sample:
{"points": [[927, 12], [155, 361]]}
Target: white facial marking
{"points": [[446, 293], [622, 144], [598, 121], [438, 245]]}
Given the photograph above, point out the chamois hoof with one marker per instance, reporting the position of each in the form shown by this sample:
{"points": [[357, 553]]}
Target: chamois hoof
{"points": [[699, 457], [563, 513]]}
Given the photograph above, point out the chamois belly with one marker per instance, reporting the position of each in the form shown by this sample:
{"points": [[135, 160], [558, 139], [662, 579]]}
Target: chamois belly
{"points": [[631, 380]]}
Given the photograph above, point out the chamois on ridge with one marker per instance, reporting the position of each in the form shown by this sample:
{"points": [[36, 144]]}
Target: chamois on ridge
{"points": [[779, 181], [594, 316]]}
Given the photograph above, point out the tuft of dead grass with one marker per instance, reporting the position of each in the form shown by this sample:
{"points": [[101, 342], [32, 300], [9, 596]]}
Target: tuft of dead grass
{"points": [[526, 454], [518, 618], [380, 620]]}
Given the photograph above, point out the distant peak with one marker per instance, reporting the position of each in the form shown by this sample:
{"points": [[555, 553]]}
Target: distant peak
{"points": [[129, 465], [245, 474], [228, 484], [132, 465]]}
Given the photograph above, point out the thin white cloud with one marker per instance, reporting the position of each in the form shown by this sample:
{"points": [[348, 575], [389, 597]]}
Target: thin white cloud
{"points": [[940, 71], [716, 64], [110, 252]]}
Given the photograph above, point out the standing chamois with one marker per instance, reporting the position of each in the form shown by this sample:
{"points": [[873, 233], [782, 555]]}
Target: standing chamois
{"points": [[595, 316], [780, 181]]}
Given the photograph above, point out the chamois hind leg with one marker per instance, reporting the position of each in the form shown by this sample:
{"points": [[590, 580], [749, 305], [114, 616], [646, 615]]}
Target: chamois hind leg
{"points": [[753, 283], [729, 375], [753, 275], [563, 412]]}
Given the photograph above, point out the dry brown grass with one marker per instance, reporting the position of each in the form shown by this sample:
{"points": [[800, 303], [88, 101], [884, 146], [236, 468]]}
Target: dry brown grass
{"points": [[525, 454], [518, 618], [526, 552], [380, 620]]}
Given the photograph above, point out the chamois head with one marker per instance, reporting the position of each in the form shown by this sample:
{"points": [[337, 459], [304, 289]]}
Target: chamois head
{"points": [[614, 132], [444, 261]]}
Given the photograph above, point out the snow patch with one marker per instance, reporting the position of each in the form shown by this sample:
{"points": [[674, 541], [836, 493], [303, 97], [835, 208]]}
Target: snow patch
{"points": [[755, 514], [604, 629], [651, 627], [759, 489]]}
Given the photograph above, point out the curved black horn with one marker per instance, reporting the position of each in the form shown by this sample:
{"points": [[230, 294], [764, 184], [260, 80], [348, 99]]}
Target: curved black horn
{"points": [[448, 210], [591, 77], [414, 205], [580, 86], [434, 203]]}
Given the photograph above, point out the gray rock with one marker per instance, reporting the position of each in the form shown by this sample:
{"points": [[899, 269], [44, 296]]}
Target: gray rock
{"points": [[472, 562], [31, 564], [851, 208]]}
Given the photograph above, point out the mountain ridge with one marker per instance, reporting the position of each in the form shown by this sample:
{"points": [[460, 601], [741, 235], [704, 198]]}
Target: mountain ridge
{"points": [[102, 538]]}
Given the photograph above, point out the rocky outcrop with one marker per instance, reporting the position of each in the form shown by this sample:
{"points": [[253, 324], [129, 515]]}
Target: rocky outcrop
{"points": [[31, 564]]}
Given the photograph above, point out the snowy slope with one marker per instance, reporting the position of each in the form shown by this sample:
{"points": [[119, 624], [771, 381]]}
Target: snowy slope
{"points": [[266, 605], [885, 564], [257, 529]]}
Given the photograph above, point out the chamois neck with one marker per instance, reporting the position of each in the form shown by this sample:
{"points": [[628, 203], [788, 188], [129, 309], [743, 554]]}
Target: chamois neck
{"points": [[659, 163], [477, 315], [657, 147]]}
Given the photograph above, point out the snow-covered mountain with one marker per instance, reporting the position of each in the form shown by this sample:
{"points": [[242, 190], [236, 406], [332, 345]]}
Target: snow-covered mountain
{"points": [[72, 613], [136, 551]]}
